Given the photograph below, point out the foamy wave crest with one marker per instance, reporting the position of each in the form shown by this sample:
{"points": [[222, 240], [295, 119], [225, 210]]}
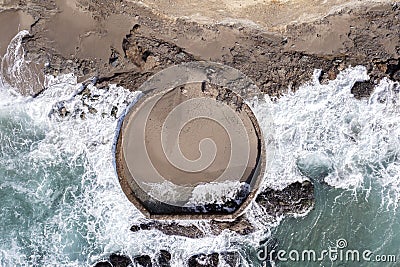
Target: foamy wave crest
{"points": [[63, 205], [90, 217], [323, 133], [22, 75]]}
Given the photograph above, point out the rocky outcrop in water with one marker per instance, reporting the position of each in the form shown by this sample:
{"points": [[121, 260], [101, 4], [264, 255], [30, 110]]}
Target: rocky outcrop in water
{"points": [[164, 259], [125, 42], [203, 260], [296, 198], [115, 260], [143, 261], [240, 226]]}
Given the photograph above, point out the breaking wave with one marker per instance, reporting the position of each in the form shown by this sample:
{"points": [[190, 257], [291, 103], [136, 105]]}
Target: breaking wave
{"points": [[61, 203]]}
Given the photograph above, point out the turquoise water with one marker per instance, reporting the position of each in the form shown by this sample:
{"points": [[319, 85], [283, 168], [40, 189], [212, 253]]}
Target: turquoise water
{"points": [[361, 221], [61, 203], [349, 148], [37, 196]]}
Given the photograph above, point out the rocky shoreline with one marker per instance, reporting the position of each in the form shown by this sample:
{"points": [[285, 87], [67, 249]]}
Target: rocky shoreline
{"points": [[125, 42], [297, 198]]}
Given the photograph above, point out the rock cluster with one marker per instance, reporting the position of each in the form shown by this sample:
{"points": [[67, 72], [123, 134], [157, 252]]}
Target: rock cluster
{"points": [[135, 42], [163, 259]]}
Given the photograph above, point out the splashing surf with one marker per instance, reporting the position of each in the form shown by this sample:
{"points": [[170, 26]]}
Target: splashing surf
{"points": [[62, 204], [61, 199], [349, 148]]}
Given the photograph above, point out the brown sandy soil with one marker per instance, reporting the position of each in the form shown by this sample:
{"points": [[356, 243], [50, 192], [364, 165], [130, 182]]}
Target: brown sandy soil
{"points": [[125, 42], [273, 15]]}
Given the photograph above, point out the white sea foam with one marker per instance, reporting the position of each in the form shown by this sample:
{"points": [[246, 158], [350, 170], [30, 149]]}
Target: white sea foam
{"points": [[98, 220], [13, 66], [217, 192], [358, 137], [102, 207], [324, 125]]}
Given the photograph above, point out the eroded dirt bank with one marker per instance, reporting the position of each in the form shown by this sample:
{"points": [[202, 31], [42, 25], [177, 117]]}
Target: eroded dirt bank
{"points": [[125, 42], [277, 44]]}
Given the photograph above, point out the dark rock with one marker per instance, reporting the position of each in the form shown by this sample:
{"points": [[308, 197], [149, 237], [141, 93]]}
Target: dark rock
{"points": [[164, 258], [393, 69], [120, 260], [114, 111], [328, 75], [83, 115], [296, 198], [85, 93], [103, 264], [240, 226], [231, 258], [396, 76], [362, 89], [135, 228], [143, 261], [204, 260], [113, 60], [170, 228], [94, 97]]}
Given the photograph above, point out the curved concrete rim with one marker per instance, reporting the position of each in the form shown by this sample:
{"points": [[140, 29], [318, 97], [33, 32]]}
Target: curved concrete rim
{"points": [[132, 190]]}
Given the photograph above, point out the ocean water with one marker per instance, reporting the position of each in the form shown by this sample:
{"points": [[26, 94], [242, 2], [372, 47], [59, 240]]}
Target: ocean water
{"points": [[350, 149], [61, 203]]}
